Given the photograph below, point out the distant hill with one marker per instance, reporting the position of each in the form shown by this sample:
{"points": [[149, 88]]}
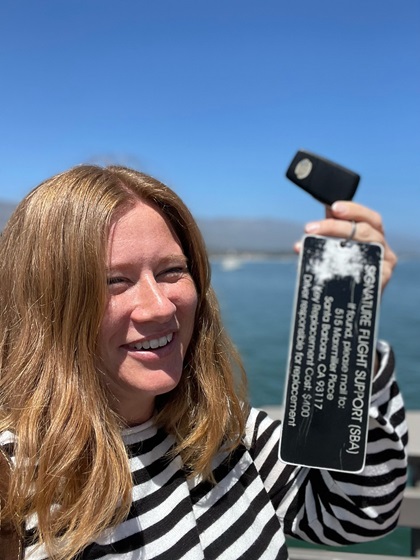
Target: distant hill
{"points": [[255, 235], [6, 208], [223, 235], [275, 237]]}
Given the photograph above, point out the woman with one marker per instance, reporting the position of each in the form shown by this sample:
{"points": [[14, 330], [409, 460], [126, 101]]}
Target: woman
{"points": [[122, 400]]}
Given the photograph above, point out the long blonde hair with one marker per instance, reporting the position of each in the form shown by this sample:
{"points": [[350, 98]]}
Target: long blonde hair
{"points": [[69, 450]]}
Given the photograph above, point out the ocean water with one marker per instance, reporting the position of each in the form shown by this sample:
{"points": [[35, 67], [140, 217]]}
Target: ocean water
{"points": [[256, 300]]}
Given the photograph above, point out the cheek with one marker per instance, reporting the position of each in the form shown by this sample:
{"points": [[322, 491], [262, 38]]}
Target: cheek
{"points": [[193, 302], [188, 308], [190, 326], [110, 323], [192, 319]]}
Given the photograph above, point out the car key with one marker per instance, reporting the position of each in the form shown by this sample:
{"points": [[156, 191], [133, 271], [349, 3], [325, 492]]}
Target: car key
{"points": [[323, 179]]}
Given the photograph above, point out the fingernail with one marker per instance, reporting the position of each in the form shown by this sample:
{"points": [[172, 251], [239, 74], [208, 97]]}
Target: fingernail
{"points": [[339, 207], [312, 227]]}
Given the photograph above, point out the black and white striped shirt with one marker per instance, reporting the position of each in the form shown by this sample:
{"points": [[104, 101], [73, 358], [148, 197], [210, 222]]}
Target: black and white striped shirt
{"points": [[257, 499]]}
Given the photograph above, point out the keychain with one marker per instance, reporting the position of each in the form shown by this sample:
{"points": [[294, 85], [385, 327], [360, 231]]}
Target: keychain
{"points": [[333, 336]]}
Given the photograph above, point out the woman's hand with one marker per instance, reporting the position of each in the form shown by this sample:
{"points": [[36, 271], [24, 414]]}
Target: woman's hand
{"points": [[369, 228]]}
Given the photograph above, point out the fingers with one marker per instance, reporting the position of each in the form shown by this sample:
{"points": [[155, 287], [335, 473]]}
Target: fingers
{"points": [[338, 222], [368, 229], [331, 227], [357, 212]]}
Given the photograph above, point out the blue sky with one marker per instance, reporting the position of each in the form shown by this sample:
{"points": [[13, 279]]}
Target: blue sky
{"points": [[214, 98]]}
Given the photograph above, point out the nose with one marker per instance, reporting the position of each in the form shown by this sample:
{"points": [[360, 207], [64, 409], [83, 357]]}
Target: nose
{"points": [[151, 303]]}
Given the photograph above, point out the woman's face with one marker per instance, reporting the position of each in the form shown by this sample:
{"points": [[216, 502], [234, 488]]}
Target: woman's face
{"points": [[150, 313]]}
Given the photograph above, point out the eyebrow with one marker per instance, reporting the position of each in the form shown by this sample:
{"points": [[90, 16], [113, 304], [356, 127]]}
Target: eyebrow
{"points": [[175, 257]]}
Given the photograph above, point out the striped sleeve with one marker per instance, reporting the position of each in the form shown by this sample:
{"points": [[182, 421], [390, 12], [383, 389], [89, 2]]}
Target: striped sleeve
{"points": [[335, 508]]}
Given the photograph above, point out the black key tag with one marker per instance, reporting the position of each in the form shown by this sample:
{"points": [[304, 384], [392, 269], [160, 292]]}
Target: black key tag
{"points": [[323, 179], [331, 354]]}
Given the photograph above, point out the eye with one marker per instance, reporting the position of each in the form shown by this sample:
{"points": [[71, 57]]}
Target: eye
{"points": [[117, 284], [115, 280], [173, 273]]}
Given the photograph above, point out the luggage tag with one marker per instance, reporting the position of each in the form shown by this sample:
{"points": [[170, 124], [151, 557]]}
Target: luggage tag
{"points": [[331, 354]]}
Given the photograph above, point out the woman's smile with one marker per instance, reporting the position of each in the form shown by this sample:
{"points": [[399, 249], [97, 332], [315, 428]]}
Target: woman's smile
{"points": [[154, 343]]}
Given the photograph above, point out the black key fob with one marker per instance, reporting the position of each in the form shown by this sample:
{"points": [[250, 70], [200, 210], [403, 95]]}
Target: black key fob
{"points": [[323, 179]]}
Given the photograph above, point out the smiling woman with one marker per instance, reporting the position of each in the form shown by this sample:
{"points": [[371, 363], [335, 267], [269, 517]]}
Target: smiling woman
{"points": [[97, 266], [123, 410]]}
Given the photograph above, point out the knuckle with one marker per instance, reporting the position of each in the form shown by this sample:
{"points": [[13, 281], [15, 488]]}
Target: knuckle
{"points": [[377, 221], [363, 232], [393, 259]]}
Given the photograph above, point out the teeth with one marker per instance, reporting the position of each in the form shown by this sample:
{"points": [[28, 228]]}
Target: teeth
{"points": [[154, 343]]}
